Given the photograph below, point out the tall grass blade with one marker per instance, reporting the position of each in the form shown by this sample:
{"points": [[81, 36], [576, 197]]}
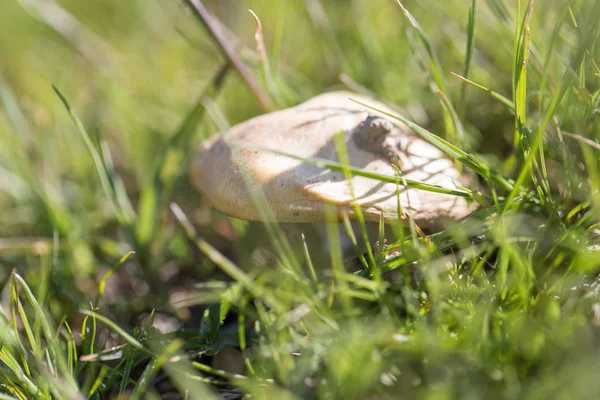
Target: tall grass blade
{"points": [[156, 194], [123, 210], [468, 53], [109, 273], [263, 58], [219, 259], [208, 20], [435, 69]]}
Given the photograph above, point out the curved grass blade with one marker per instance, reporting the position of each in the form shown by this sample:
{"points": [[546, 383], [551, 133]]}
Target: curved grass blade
{"points": [[504, 100], [435, 69], [334, 166], [108, 274], [120, 203], [55, 355], [263, 58], [117, 329]]}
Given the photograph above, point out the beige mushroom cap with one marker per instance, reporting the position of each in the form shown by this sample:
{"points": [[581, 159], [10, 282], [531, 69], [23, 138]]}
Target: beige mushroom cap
{"points": [[298, 192]]}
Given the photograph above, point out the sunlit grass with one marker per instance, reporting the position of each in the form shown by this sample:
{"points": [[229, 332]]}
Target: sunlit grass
{"points": [[503, 304]]}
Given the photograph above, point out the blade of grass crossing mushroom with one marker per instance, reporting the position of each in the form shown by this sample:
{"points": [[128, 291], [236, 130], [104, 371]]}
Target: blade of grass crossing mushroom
{"points": [[342, 154], [280, 242], [352, 237], [323, 163], [338, 285], [474, 163]]}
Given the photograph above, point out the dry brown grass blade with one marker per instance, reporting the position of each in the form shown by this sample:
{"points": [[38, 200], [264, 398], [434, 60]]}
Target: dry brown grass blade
{"points": [[211, 25]]}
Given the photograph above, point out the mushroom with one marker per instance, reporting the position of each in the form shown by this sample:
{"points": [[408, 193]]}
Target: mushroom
{"points": [[298, 191]]}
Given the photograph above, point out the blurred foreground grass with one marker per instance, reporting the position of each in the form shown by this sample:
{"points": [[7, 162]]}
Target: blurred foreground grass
{"points": [[512, 312]]}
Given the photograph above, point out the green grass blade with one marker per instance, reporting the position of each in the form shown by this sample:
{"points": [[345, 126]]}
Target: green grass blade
{"points": [[435, 66], [334, 166], [108, 185], [435, 69], [50, 337], [474, 163], [468, 52], [342, 154], [156, 194], [504, 100], [154, 366], [219, 259], [117, 329], [522, 50], [569, 78], [109, 273]]}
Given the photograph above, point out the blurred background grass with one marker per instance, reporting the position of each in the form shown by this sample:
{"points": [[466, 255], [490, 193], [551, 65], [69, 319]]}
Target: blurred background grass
{"points": [[132, 70]]}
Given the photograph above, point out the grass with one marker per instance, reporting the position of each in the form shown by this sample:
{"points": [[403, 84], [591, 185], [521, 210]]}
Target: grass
{"points": [[103, 242]]}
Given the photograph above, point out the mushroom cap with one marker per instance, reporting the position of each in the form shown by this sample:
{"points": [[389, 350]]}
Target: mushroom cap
{"points": [[297, 191]]}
